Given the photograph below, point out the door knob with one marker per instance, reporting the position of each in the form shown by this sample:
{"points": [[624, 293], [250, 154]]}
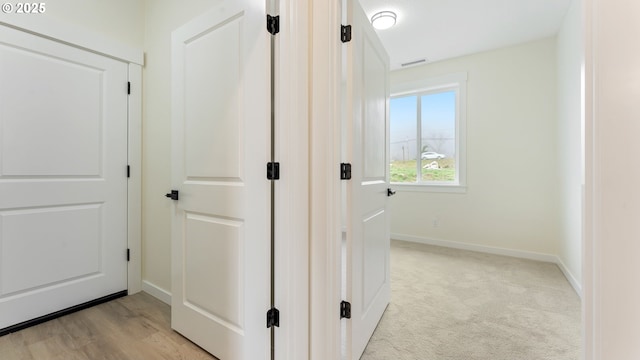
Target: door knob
{"points": [[173, 195], [390, 192]]}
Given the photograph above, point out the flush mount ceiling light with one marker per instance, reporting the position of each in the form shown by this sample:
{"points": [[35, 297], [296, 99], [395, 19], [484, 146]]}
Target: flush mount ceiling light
{"points": [[383, 20]]}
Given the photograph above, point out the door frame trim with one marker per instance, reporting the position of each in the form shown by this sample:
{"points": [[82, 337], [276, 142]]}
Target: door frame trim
{"points": [[74, 35], [292, 191], [325, 233], [134, 184]]}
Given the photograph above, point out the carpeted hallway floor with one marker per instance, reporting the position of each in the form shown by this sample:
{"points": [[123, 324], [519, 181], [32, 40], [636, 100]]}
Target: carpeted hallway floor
{"points": [[449, 304]]}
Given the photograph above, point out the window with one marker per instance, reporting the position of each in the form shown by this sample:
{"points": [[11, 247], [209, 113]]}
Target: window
{"points": [[427, 121]]}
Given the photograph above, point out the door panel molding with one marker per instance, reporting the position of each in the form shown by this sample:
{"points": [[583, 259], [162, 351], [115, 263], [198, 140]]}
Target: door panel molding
{"points": [[367, 272], [101, 181], [220, 148]]}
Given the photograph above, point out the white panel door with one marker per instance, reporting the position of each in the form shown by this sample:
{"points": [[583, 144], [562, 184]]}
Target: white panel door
{"points": [[368, 244], [63, 185], [221, 222]]}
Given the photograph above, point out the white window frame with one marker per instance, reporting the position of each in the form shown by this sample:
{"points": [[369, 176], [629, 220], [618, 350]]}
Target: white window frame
{"points": [[458, 83]]}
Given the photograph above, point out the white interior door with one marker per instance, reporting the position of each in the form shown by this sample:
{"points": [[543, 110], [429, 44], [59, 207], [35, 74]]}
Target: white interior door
{"points": [[63, 184], [221, 228], [368, 244]]}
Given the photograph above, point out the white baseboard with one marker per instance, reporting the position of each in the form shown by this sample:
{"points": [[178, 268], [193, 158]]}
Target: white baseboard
{"points": [[572, 279], [497, 251], [157, 292], [479, 248]]}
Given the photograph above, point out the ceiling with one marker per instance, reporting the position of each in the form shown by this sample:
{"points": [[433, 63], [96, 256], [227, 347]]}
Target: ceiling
{"points": [[436, 30]]}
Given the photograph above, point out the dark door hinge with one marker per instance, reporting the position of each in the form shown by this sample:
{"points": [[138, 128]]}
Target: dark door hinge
{"points": [[128, 254], [345, 310], [128, 87], [273, 171], [345, 33], [345, 171], [273, 318], [273, 24], [128, 171]]}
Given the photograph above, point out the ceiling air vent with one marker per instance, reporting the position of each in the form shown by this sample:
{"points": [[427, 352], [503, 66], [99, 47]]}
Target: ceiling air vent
{"points": [[416, 62]]}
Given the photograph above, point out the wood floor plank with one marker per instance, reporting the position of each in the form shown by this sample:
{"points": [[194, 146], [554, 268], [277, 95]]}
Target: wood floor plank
{"points": [[170, 349], [105, 350], [50, 347], [81, 331], [128, 328], [12, 348]]}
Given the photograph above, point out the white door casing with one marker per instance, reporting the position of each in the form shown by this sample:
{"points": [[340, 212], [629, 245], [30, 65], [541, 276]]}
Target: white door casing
{"points": [[63, 185], [368, 235], [220, 148]]}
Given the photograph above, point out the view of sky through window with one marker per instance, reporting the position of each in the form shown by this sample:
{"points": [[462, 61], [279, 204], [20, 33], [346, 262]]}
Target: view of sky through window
{"points": [[432, 156]]}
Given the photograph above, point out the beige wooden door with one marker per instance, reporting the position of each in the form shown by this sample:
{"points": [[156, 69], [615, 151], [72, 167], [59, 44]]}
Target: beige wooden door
{"points": [[220, 228], [63, 179], [368, 244]]}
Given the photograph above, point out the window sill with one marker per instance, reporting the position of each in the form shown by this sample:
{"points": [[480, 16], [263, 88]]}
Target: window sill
{"points": [[430, 188]]}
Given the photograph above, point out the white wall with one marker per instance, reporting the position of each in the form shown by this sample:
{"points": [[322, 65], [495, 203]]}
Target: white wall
{"points": [[120, 20], [570, 144], [162, 17], [512, 194], [612, 229]]}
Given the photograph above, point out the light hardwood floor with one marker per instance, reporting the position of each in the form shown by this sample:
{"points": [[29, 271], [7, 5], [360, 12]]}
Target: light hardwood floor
{"points": [[132, 327]]}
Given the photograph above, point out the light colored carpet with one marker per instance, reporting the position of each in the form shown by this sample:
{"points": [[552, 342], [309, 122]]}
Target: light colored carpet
{"points": [[449, 304]]}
